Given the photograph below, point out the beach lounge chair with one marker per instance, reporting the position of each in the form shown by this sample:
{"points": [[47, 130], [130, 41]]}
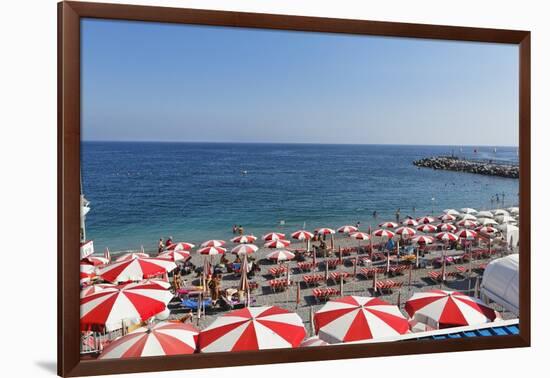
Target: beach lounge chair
{"points": [[322, 295], [387, 286]]}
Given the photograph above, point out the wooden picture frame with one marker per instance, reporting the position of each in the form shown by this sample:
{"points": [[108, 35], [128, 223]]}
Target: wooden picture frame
{"points": [[69, 16]]}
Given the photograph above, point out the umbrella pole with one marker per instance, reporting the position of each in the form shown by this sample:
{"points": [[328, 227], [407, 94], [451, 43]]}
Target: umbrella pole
{"points": [[341, 284], [311, 325]]}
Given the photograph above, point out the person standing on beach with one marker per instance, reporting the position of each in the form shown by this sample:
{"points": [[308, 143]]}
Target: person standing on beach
{"points": [[397, 215], [374, 213], [161, 246], [234, 229], [358, 224], [241, 230]]}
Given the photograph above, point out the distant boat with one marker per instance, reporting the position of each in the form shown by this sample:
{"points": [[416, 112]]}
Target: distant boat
{"points": [[495, 150], [244, 172]]}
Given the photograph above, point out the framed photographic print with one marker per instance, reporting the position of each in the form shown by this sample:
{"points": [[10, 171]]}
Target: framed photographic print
{"points": [[239, 188]]}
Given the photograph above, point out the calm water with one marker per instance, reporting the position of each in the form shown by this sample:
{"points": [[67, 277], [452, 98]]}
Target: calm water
{"points": [[196, 191]]}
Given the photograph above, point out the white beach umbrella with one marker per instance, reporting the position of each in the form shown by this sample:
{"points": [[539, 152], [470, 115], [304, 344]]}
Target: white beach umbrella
{"points": [[468, 217], [513, 210], [347, 229], [244, 249], [244, 239], [507, 228], [212, 251], [487, 222], [302, 235], [410, 222], [451, 211], [447, 217], [213, 243], [131, 256], [484, 214], [280, 255], [467, 223], [500, 212], [468, 210], [273, 236], [505, 219]]}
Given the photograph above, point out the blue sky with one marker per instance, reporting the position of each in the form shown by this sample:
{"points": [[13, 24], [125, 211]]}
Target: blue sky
{"points": [[162, 82]]}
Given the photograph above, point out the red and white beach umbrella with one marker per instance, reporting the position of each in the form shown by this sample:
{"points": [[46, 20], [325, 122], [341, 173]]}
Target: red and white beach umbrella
{"points": [[325, 231], [213, 243], [466, 223], [273, 236], [280, 243], [244, 239], [96, 260], [468, 217], [244, 249], [347, 229], [280, 255], [181, 246], [253, 328], [212, 251], [429, 228], [388, 225], [410, 222], [422, 239], [468, 210], [445, 309], [446, 227], [161, 339], [446, 236], [130, 304], [179, 255], [132, 255], [302, 235], [466, 234], [426, 220], [94, 289], [136, 269], [87, 272], [447, 217], [451, 211], [313, 342], [358, 318], [359, 236], [487, 230], [405, 232], [383, 233]]}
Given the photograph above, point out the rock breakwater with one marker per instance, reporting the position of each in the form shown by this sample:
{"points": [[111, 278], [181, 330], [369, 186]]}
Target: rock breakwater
{"points": [[451, 163]]}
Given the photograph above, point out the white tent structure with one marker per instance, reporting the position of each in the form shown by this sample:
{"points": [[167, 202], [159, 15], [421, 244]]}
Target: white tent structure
{"points": [[500, 283], [510, 233]]}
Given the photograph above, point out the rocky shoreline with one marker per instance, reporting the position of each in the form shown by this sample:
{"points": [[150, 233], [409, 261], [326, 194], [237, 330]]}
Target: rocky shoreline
{"points": [[451, 163]]}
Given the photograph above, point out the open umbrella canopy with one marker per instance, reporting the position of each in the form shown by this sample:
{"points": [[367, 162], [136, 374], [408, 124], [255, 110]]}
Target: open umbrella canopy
{"points": [[422, 239], [445, 309], [514, 210], [181, 246], [161, 339], [212, 251], [500, 212], [273, 236], [487, 222], [94, 289], [280, 243], [87, 272], [244, 239], [383, 233], [347, 229], [467, 223], [405, 232], [96, 260], [487, 230], [446, 227], [426, 220], [468, 210], [484, 214], [131, 256], [388, 225], [465, 216], [354, 318], [359, 236], [410, 222], [325, 231], [179, 255], [136, 269], [302, 235], [313, 342], [451, 211], [244, 249], [129, 304], [213, 243], [505, 219], [466, 234], [429, 228], [280, 255], [446, 236], [447, 217], [253, 328]]}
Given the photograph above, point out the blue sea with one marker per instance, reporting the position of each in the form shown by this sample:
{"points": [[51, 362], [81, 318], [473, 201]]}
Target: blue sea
{"points": [[140, 192]]}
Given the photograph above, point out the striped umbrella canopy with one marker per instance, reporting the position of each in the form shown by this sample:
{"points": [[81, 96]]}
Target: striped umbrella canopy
{"points": [[359, 235], [213, 243], [273, 236], [87, 272], [280, 243], [325, 231], [244, 239], [427, 228], [347, 229], [468, 210], [388, 225], [244, 249], [451, 211], [466, 234], [132, 255], [128, 304], [410, 222], [447, 217], [96, 260], [313, 342], [181, 246], [383, 233], [280, 255], [212, 251], [485, 214], [446, 227], [405, 232], [354, 318], [302, 235], [136, 269], [422, 239], [468, 217], [487, 230], [148, 283], [467, 223], [253, 328], [161, 339], [487, 222], [179, 255], [446, 309], [94, 289], [446, 236], [426, 220]]}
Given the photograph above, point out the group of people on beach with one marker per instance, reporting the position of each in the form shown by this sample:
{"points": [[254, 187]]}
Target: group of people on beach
{"points": [[162, 246], [238, 229]]}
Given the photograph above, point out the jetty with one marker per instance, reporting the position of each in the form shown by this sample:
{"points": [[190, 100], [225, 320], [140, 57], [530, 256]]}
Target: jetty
{"points": [[453, 163]]}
